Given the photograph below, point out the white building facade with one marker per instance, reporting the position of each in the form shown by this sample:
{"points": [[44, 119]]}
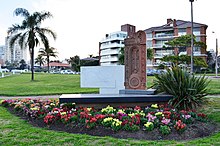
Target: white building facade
{"points": [[15, 54], [110, 48]]}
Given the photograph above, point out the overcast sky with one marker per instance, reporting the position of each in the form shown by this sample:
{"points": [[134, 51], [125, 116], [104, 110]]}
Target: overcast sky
{"points": [[81, 24]]}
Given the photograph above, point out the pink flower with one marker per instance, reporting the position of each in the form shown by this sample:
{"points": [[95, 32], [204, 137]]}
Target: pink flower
{"points": [[151, 117], [186, 116], [165, 121]]}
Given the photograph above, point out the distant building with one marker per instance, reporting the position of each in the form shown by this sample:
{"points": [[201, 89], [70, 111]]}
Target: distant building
{"points": [[110, 46], [158, 36], [15, 54], [57, 66], [2, 55]]}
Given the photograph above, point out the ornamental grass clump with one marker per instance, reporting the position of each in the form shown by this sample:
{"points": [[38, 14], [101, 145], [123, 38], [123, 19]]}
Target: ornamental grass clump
{"points": [[187, 89]]}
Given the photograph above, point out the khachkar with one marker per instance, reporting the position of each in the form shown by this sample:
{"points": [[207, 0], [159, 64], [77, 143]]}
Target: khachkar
{"points": [[135, 61]]}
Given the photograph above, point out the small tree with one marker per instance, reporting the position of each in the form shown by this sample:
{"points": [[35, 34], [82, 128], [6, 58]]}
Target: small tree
{"points": [[40, 60], [121, 56], [23, 64], [48, 52], [75, 63]]}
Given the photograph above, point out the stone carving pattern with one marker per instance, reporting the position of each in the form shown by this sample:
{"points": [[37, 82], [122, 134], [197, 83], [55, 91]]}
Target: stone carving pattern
{"points": [[135, 61]]}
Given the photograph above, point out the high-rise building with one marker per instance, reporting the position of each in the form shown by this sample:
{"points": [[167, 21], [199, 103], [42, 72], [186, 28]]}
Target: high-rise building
{"points": [[2, 55], [158, 36], [16, 53], [109, 47]]}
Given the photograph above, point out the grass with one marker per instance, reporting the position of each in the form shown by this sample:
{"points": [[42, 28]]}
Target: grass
{"points": [[44, 84], [14, 131], [53, 84]]}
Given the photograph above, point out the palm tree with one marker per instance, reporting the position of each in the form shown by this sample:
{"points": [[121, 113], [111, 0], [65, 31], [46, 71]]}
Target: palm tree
{"points": [[48, 52], [75, 62], [29, 33], [40, 60]]}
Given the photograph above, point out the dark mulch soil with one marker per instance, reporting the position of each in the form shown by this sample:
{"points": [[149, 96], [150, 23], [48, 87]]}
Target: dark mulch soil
{"points": [[195, 130]]}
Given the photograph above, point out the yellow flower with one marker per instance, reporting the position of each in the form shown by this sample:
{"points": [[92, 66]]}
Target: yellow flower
{"points": [[89, 109], [108, 109], [1, 101], [121, 111], [148, 124], [107, 119], [131, 115], [159, 114], [63, 113], [52, 104], [154, 106], [34, 109], [116, 122]]}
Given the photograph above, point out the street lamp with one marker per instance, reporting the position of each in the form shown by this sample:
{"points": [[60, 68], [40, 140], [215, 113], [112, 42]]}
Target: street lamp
{"points": [[216, 58], [192, 39]]}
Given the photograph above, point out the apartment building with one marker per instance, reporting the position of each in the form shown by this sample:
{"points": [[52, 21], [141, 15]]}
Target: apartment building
{"points": [[109, 47], [2, 55], [158, 36], [15, 54]]}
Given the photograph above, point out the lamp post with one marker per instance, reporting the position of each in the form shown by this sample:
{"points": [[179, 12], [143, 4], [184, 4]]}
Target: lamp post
{"points": [[192, 39], [216, 57]]}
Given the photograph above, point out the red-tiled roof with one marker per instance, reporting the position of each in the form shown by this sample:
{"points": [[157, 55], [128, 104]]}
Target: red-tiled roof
{"points": [[58, 64]]}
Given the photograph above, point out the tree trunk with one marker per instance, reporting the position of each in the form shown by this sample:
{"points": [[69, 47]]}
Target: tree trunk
{"points": [[48, 64], [32, 64]]}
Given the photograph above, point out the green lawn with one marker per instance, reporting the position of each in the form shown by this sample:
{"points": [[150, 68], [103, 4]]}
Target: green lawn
{"points": [[44, 84], [14, 131], [52, 84]]}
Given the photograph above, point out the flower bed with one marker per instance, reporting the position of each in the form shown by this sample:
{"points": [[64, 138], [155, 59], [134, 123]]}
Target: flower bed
{"points": [[160, 118]]}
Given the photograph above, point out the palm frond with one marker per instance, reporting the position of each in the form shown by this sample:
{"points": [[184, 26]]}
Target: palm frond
{"points": [[21, 11], [13, 39]]}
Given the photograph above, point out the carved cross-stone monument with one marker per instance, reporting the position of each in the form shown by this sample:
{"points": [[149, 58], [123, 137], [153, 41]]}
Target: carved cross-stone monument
{"points": [[135, 61]]}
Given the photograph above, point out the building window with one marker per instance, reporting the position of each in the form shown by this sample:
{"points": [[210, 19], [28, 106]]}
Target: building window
{"points": [[149, 44], [181, 31], [149, 35]]}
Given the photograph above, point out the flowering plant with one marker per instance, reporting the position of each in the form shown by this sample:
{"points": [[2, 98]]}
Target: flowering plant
{"points": [[149, 126], [180, 126], [161, 117]]}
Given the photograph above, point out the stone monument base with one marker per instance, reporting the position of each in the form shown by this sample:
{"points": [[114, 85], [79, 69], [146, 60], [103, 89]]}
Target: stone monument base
{"points": [[138, 92], [116, 100]]}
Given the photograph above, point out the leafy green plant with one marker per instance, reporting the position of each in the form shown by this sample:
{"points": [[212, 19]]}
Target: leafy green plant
{"points": [[187, 89], [165, 130]]}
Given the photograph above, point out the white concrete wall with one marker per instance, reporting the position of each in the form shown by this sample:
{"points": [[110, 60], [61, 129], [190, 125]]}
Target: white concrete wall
{"points": [[110, 79]]}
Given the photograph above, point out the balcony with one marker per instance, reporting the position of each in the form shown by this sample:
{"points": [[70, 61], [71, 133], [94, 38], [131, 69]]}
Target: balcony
{"points": [[109, 52], [111, 45], [161, 55], [159, 45], [163, 36], [109, 59]]}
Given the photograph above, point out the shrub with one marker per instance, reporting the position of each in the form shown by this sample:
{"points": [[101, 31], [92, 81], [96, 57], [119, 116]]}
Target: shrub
{"points": [[187, 90]]}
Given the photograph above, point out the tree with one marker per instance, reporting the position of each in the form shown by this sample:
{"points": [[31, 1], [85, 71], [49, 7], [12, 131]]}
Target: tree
{"points": [[184, 59], [23, 64], [121, 56], [40, 60], [183, 42], [48, 52], [29, 33], [75, 63], [150, 54]]}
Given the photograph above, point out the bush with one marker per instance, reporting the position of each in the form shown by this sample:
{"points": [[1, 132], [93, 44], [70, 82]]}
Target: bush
{"points": [[188, 90]]}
